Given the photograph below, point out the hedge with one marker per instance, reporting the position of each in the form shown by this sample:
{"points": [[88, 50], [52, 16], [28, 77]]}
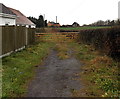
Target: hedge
{"points": [[106, 40]]}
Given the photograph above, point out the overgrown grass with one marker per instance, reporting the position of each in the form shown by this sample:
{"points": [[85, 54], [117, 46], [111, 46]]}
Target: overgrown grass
{"points": [[99, 73], [61, 43], [19, 67], [62, 49], [54, 38]]}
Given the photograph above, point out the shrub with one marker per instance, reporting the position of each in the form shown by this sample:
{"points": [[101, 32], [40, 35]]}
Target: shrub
{"points": [[106, 40]]}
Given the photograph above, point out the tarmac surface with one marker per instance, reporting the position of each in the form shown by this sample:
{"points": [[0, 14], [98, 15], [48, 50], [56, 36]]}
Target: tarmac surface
{"points": [[56, 78]]}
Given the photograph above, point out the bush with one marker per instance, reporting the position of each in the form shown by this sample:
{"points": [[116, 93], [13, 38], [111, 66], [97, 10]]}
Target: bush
{"points": [[106, 40]]}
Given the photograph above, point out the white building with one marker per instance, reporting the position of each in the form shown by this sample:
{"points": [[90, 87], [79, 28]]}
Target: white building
{"points": [[7, 17], [10, 16], [22, 20]]}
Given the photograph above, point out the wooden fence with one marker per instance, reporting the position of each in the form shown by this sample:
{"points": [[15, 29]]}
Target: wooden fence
{"points": [[15, 38]]}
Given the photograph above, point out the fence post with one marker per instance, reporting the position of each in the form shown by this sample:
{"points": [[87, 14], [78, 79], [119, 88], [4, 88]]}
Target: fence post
{"points": [[0, 61], [26, 39], [14, 38], [0, 40]]}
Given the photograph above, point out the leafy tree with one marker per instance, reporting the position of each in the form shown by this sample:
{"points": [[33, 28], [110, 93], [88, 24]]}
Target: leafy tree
{"points": [[33, 19], [40, 22], [112, 23], [118, 22], [45, 23]]}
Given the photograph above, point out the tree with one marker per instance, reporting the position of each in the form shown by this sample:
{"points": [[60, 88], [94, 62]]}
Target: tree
{"points": [[112, 23], [40, 22], [33, 19], [45, 23], [118, 22]]}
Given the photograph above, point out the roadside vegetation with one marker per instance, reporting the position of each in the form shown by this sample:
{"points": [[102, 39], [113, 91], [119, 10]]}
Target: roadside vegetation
{"points": [[19, 68], [99, 72]]}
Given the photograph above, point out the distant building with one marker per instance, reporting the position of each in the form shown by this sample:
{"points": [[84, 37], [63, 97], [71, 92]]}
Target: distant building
{"points": [[66, 26], [53, 24], [7, 17], [75, 24]]}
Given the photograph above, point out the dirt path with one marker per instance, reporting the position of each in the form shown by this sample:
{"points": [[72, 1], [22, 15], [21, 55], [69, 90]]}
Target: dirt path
{"points": [[56, 78]]}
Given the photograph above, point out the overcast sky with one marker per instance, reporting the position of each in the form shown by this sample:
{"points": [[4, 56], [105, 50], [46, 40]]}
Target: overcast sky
{"points": [[68, 11]]}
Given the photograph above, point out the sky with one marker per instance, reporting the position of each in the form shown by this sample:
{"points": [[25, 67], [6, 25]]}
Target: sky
{"points": [[67, 11]]}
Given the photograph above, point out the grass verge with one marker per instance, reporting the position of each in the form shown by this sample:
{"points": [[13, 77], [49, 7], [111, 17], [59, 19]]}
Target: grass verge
{"points": [[99, 73], [18, 69]]}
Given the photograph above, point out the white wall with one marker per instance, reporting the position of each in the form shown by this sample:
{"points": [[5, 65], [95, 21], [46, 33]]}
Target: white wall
{"points": [[31, 26], [9, 21]]}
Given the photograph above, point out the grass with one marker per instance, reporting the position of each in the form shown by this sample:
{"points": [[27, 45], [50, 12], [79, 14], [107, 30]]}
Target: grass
{"points": [[99, 73], [61, 43], [83, 28], [19, 67], [62, 49], [54, 38]]}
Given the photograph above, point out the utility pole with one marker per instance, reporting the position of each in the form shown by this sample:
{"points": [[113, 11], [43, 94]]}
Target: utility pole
{"points": [[56, 19], [44, 16], [44, 19], [119, 10]]}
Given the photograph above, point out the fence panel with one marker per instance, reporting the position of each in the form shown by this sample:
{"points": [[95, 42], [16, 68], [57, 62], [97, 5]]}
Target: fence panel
{"points": [[8, 34], [31, 36], [0, 40], [15, 37], [20, 37]]}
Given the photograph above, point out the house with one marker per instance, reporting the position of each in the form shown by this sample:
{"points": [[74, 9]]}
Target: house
{"points": [[66, 26], [22, 20], [7, 17], [53, 24], [75, 24], [10, 16]]}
